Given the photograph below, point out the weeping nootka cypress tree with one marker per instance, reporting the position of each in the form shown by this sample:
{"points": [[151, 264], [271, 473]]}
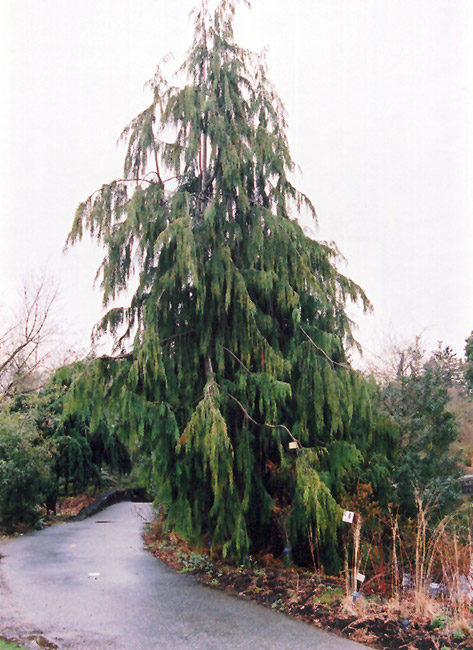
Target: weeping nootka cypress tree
{"points": [[230, 371]]}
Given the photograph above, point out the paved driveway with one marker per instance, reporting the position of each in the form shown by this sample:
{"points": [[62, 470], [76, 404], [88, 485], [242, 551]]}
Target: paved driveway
{"points": [[90, 585]]}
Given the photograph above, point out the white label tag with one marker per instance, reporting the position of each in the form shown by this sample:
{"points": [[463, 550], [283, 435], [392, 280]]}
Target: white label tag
{"points": [[360, 577], [348, 516], [293, 445]]}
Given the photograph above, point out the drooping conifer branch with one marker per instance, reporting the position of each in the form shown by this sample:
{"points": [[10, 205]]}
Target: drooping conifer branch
{"points": [[334, 363], [264, 424]]}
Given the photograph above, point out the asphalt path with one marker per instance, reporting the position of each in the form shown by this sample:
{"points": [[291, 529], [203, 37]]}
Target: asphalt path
{"points": [[91, 585]]}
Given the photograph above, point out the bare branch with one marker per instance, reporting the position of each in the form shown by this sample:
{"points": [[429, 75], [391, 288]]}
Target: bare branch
{"points": [[156, 160], [236, 359], [22, 345], [335, 363], [265, 424]]}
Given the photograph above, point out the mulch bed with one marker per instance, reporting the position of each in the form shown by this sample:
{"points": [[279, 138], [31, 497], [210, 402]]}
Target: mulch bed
{"points": [[317, 599], [69, 507]]}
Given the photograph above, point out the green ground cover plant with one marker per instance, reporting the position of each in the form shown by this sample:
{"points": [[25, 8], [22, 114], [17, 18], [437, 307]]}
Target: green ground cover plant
{"points": [[9, 645]]}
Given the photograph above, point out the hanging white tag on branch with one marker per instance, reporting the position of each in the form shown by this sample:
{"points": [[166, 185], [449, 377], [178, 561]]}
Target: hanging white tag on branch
{"points": [[360, 577], [348, 516], [293, 445]]}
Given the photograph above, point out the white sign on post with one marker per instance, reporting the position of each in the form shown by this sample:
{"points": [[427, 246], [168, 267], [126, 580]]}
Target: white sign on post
{"points": [[348, 516], [360, 577]]}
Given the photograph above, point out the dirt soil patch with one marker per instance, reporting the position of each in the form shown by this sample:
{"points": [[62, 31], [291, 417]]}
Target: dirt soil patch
{"points": [[318, 599]]}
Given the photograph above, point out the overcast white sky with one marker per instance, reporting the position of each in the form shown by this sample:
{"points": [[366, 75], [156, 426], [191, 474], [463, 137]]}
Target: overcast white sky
{"points": [[379, 95]]}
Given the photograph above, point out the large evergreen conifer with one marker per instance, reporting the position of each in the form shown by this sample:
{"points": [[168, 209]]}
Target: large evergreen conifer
{"points": [[230, 370]]}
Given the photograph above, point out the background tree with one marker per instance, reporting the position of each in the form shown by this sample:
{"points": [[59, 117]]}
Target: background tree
{"points": [[75, 454], [24, 471], [44, 451], [418, 397], [469, 363], [230, 371], [461, 403], [24, 343]]}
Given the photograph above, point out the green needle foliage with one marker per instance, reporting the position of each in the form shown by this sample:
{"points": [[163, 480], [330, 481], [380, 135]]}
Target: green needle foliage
{"points": [[419, 399], [24, 471], [468, 372], [73, 454], [234, 342]]}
